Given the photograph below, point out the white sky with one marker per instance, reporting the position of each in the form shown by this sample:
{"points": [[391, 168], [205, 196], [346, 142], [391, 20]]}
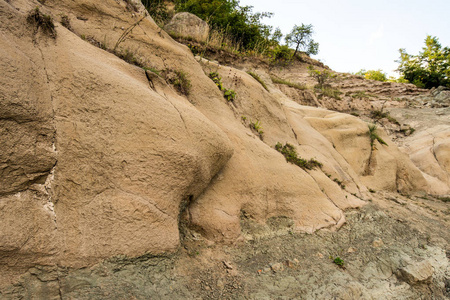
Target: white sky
{"points": [[361, 34]]}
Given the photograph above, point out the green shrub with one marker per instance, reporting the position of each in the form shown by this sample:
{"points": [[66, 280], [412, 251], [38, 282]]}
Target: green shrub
{"points": [[281, 54], [291, 156], [42, 21], [257, 78], [215, 77], [338, 261], [322, 77], [229, 94], [430, 68], [238, 22], [378, 75]]}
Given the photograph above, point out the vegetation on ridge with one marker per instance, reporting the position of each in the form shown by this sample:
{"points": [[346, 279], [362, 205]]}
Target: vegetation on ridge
{"points": [[430, 68]]}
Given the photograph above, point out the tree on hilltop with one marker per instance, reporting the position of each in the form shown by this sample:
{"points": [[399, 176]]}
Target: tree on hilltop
{"points": [[301, 38], [430, 68]]}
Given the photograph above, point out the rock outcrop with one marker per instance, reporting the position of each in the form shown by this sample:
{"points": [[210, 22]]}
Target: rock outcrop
{"points": [[103, 158], [188, 25]]}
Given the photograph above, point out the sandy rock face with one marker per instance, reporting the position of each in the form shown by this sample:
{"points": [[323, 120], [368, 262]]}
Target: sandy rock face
{"points": [[108, 159], [127, 156], [188, 25]]}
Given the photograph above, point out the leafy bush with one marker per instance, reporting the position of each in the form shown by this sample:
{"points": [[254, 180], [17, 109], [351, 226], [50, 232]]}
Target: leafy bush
{"points": [[378, 75], [40, 20], [281, 54], [430, 68], [257, 78], [322, 77], [338, 261], [230, 95], [291, 156], [215, 77]]}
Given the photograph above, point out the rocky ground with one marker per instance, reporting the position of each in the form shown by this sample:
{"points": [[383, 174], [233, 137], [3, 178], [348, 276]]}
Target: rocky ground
{"points": [[394, 248]]}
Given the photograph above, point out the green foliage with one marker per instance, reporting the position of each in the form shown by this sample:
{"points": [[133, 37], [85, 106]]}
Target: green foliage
{"points": [[291, 156], [288, 83], [378, 75], [42, 21], [430, 68], [230, 95], [257, 127], [281, 54], [374, 136], [338, 261], [257, 78], [240, 22], [215, 77], [301, 38], [157, 10], [322, 77]]}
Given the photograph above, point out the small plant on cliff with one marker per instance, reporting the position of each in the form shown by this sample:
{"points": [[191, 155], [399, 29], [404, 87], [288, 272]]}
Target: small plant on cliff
{"points": [[40, 20], [229, 94], [257, 127], [374, 136], [66, 22], [291, 156], [179, 80], [339, 261], [215, 77]]}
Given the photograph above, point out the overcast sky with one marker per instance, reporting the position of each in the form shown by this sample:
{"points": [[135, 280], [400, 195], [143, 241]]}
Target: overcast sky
{"points": [[361, 34]]}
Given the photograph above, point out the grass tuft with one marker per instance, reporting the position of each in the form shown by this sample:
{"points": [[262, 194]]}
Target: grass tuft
{"points": [[291, 156], [257, 78], [40, 20]]}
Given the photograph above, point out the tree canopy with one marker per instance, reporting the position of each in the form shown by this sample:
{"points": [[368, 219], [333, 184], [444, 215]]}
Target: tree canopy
{"points": [[227, 15], [301, 37], [430, 68]]}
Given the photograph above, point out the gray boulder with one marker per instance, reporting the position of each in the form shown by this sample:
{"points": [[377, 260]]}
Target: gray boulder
{"points": [[188, 25]]}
